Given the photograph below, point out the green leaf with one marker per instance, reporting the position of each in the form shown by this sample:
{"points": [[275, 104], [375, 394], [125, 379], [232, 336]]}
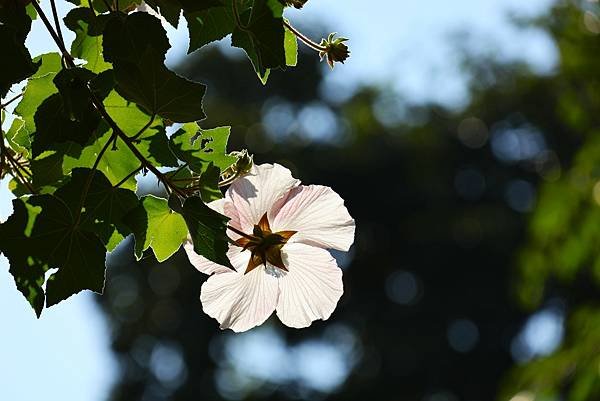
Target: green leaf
{"points": [[127, 38], [209, 184], [209, 25], [160, 91], [39, 87], [28, 271], [153, 143], [140, 71], [68, 115], [290, 44], [262, 36], [17, 136], [116, 164], [87, 44], [35, 241], [171, 9], [100, 5], [199, 148], [125, 113], [47, 172], [155, 225], [207, 228], [16, 60], [105, 206]]}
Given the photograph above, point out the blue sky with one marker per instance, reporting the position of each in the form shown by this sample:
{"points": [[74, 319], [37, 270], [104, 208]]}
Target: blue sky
{"points": [[404, 45]]}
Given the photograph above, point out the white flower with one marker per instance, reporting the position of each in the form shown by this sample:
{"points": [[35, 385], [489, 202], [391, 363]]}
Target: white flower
{"points": [[281, 261]]}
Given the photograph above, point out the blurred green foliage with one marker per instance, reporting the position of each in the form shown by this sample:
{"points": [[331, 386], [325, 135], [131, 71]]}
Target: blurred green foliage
{"points": [[563, 241], [441, 206]]}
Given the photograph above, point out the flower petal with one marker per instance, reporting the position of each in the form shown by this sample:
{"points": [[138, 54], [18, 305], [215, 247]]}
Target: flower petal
{"points": [[318, 215], [238, 259], [254, 194], [311, 288], [240, 301]]}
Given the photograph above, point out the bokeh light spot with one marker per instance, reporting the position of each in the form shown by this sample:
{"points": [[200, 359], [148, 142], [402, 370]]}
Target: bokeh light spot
{"points": [[463, 335], [520, 195], [403, 287], [469, 184], [472, 132]]}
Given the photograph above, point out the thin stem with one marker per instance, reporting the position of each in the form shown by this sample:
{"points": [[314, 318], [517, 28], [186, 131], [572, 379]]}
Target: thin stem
{"points": [[5, 155], [134, 172], [144, 128], [57, 21], [228, 180], [57, 39], [4, 105], [19, 174], [243, 234], [21, 177], [304, 38]]}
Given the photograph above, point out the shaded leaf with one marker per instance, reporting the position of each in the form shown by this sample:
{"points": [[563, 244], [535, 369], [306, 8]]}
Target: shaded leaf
{"points": [[68, 115], [27, 271], [140, 72], [16, 60], [209, 25], [105, 206], [262, 37], [208, 229], [87, 44]]}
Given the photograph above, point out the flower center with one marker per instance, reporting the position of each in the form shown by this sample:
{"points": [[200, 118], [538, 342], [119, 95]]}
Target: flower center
{"points": [[264, 244]]}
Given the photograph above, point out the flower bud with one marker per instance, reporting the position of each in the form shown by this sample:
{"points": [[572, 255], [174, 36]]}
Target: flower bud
{"points": [[335, 50], [244, 162]]}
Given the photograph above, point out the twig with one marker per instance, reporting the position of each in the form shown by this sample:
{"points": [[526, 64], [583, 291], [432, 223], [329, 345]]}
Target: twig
{"points": [[304, 38], [59, 42], [17, 170], [4, 105], [243, 234], [56, 20]]}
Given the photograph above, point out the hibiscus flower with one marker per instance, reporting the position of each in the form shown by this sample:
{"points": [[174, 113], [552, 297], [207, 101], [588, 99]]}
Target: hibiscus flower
{"points": [[281, 232]]}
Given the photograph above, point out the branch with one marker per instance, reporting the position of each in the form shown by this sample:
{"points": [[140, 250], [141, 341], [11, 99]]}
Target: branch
{"points": [[100, 106]]}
